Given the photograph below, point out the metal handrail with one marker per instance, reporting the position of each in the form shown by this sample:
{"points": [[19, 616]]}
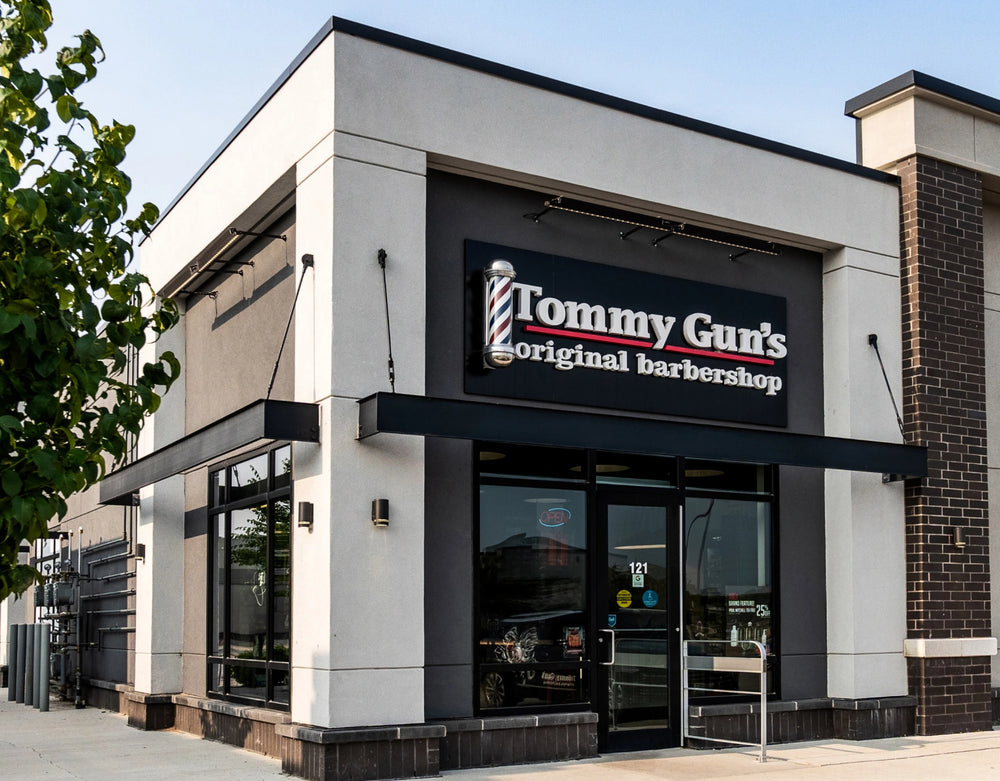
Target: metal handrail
{"points": [[725, 664]]}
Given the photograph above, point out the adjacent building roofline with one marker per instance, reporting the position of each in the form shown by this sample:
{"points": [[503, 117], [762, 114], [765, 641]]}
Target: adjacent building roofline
{"points": [[923, 81], [336, 24]]}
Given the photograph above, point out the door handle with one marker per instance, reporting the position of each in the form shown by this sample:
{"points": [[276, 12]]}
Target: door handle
{"points": [[611, 661]]}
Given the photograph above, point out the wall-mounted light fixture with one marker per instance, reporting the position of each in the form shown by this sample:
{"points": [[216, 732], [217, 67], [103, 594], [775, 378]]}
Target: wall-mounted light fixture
{"points": [[958, 536], [664, 227], [380, 512], [305, 515], [140, 551]]}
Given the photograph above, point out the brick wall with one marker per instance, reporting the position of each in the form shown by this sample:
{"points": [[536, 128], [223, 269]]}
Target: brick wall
{"points": [[944, 408], [954, 694]]}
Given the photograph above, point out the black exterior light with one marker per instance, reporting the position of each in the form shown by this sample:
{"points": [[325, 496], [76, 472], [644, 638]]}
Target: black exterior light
{"points": [[380, 512], [305, 515]]}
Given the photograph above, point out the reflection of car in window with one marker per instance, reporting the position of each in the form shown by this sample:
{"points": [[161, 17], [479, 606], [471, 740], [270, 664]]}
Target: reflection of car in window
{"points": [[533, 639], [555, 635]]}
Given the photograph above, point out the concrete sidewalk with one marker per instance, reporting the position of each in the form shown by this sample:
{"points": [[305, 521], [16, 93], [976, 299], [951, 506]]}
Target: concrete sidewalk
{"points": [[971, 757], [95, 745]]}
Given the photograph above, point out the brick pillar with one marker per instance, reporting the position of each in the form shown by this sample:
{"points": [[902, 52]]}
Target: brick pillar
{"points": [[944, 389]]}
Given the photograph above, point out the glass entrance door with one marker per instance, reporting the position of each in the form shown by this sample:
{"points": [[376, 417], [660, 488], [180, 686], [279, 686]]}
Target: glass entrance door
{"points": [[638, 623]]}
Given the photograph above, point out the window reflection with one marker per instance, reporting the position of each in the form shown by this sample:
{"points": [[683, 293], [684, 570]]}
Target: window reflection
{"points": [[248, 583], [248, 478], [217, 640], [727, 476], [532, 463], [283, 466], [727, 579], [251, 599], [628, 469], [532, 566], [533, 647], [217, 488], [281, 581]]}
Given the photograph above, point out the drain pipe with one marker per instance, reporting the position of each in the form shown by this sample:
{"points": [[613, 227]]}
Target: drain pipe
{"points": [[78, 701], [77, 683], [36, 669], [11, 662], [29, 665], [22, 656], [43, 669]]}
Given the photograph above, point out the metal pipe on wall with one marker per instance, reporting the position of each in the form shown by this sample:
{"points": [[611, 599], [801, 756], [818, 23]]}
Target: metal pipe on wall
{"points": [[36, 672], [22, 655], [29, 665], [78, 701], [11, 662], [43, 668], [36, 675]]}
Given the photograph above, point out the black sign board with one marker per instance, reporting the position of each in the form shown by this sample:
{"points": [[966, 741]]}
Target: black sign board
{"points": [[588, 334]]}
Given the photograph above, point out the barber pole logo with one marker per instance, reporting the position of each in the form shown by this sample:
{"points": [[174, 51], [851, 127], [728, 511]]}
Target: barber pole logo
{"points": [[498, 349]]}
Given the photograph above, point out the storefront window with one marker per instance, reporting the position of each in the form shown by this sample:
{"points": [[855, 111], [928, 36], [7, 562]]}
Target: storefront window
{"points": [[532, 580], [727, 477], [251, 566], [727, 579], [687, 543], [626, 469]]}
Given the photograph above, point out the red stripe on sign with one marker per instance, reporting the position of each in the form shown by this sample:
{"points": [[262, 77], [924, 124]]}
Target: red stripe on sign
{"points": [[636, 343]]}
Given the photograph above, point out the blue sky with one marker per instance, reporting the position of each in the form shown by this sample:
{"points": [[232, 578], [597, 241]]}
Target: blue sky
{"points": [[186, 71]]}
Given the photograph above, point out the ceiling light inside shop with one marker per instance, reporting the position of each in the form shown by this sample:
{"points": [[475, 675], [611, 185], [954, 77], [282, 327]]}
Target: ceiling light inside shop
{"points": [[703, 472], [656, 546], [491, 455]]}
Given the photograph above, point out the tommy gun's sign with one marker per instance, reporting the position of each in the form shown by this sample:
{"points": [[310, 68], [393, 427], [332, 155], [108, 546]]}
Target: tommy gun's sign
{"points": [[555, 329]]}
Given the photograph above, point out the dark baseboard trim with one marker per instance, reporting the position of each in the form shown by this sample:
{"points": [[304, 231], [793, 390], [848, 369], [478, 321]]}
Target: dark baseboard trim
{"points": [[515, 740], [819, 718]]}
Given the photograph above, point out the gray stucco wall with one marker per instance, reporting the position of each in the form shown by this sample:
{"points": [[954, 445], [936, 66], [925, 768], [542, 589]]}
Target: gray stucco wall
{"points": [[233, 340], [231, 347]]}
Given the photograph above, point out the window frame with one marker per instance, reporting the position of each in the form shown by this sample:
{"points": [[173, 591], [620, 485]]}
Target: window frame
{"points": [[219, 653], [591, 483]]}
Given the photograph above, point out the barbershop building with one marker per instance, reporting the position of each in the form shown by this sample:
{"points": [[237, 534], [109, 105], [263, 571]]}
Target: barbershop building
{"points": [[569, 387]]}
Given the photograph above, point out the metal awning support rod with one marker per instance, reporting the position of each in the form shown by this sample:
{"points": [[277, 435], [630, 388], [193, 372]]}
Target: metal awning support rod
{"points": [[238, 232]]}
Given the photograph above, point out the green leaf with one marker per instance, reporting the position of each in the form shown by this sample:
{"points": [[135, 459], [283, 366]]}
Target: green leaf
{"points": [[11, 483], [9, 178], [27, 200], [63, 106], [47, 463], [66, 235], [115, 311]]}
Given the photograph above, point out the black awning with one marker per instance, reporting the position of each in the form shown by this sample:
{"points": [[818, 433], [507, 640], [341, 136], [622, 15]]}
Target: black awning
{"points": [[400, 414], [261, 421]]}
